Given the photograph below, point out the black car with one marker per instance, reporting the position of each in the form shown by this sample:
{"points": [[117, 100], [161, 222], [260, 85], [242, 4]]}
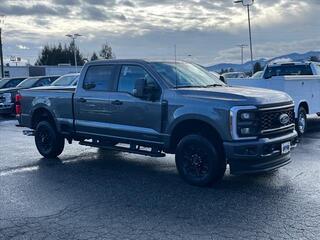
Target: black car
{"points": [[7, 95], [10, 82]]}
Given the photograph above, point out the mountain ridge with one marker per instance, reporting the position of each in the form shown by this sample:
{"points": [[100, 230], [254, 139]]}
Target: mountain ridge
{"points": [[246, 67]]}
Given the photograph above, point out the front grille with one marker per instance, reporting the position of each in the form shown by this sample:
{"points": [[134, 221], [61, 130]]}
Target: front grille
{"points": [[270, 119], [2, 99]]}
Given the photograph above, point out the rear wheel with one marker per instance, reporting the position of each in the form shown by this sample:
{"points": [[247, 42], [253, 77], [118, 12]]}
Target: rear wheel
{"points": [[199, 161], [301, 122], [49, 142]]}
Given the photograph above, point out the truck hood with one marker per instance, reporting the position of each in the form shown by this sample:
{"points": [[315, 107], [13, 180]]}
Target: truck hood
{"points": [[242, 95]]}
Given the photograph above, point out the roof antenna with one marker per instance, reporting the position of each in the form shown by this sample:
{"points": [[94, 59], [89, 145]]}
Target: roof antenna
{"points": [[175, 64]]}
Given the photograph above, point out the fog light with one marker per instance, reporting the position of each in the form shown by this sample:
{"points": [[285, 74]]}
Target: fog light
{"points": [[245, 131]]}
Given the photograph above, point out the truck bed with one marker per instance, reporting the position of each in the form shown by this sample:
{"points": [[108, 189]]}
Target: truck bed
{"points": [[57, 100]]}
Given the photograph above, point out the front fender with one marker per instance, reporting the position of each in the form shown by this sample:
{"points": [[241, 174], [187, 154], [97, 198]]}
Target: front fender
{"points": [[216, 118]]}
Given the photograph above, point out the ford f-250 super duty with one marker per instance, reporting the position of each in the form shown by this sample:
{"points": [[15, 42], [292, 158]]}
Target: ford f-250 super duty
{"points": [[153, 108]]}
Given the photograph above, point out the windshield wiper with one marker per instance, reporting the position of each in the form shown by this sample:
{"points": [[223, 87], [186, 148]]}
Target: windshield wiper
{"points": [[215, 85], [190, 86]]}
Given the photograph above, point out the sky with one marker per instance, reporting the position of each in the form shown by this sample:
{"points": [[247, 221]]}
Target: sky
{"points": [[204, 31]]}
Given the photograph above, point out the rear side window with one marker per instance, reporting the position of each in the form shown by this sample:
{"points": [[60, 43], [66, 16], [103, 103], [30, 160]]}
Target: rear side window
{"points": [[99, 78]]}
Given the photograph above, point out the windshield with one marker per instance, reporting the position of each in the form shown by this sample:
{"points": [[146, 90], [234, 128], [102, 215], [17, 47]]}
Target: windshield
{"points": [[182, 74], [28, 82], [64, 80]]}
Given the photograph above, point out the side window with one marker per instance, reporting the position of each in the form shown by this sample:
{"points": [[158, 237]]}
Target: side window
{"points": [[129, 75], [99, 78], [43, 82], [12, 83]]}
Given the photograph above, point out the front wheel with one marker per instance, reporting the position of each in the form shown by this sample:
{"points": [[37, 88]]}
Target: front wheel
{"points": [[49, 142], [301, 122], [199, 161]]}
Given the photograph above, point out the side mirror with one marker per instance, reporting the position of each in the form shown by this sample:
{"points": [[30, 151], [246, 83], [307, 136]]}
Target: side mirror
{"points": [[139, 88], [222, 79]]}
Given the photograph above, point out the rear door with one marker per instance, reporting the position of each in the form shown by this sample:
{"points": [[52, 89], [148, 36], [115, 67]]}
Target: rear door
{"points": [[92, 101], [132, 117]]}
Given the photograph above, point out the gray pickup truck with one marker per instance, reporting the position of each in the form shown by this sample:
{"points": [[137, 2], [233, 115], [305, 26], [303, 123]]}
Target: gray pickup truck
{"points": [[159, 107]]}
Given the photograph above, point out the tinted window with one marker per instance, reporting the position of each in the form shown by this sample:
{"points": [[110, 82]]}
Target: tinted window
{"points": [[128, 77], [13, 83], [43, 82], [99, 78], [288, 70]]}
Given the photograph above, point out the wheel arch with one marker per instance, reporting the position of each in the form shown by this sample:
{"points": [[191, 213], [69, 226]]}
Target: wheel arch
{"points": [[305, 105], [42, 113], [193, 125]]}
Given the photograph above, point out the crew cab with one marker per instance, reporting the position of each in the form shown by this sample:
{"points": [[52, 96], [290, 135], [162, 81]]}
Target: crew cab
{"points": [[158, 107], [301, 80]]}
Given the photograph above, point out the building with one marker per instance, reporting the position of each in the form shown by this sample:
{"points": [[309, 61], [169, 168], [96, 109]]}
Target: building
{"points": [[31, 71]]}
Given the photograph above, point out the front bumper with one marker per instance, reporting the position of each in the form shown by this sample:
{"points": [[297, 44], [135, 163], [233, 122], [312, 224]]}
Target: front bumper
{"points": [[7, 108], [259, 155]]}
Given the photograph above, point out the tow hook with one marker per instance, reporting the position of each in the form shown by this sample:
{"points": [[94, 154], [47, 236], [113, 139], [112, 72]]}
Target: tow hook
{"points": [[28, 132]]}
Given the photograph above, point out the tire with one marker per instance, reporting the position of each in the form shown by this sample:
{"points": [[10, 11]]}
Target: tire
{"points": [[199, 161], [301, 122], [49, 142]]}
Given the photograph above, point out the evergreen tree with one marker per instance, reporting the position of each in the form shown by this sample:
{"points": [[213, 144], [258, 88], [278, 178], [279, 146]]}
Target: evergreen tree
{"points": [[94, 57], [106, 52], [54, 55]]}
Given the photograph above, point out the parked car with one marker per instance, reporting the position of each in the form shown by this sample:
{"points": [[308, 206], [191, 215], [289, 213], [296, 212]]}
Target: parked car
{"points": [[234, 75], [7, 95], [258, 74], [300, 80], [10, 82], [67, 80], [156, 107]]}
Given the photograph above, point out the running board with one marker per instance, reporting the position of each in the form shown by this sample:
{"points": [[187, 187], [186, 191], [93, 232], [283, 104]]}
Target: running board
{"points": [[133, 149]]}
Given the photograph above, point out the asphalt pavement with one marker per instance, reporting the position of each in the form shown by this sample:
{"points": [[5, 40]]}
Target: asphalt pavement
{"points": [[93, 194]]}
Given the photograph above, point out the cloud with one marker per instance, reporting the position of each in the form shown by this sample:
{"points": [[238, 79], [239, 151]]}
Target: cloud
{"points": [[208, 30], [22, 47]]}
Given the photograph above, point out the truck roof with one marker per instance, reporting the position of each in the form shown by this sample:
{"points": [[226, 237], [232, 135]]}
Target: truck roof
{"points": [[119, 61]]}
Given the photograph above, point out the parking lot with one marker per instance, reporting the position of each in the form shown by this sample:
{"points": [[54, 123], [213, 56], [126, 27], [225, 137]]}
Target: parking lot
{"points": [[90, 194]]}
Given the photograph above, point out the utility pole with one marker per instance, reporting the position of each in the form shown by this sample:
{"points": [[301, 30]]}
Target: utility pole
{"points": [[248, 3], [73, 37], [242, 46], [2, 17]]}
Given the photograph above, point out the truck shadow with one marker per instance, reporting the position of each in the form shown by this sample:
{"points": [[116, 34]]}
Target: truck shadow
{"points": [[109, 183]]}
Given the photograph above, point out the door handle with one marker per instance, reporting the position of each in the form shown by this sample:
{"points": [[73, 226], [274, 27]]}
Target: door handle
{"points": [[116, 102], [82, 100]]}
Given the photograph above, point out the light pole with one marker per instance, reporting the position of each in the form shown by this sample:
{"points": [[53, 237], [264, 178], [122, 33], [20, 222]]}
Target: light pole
{"points": [[73, 37], [242, 46], [2, 17], [248, 3]]}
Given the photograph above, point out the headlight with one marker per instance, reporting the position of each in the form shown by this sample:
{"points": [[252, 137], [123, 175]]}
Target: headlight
{"points": [[8, 97], [244, 122]]}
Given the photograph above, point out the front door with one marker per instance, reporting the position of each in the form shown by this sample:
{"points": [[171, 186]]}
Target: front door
{"points": [[132, 117]]}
